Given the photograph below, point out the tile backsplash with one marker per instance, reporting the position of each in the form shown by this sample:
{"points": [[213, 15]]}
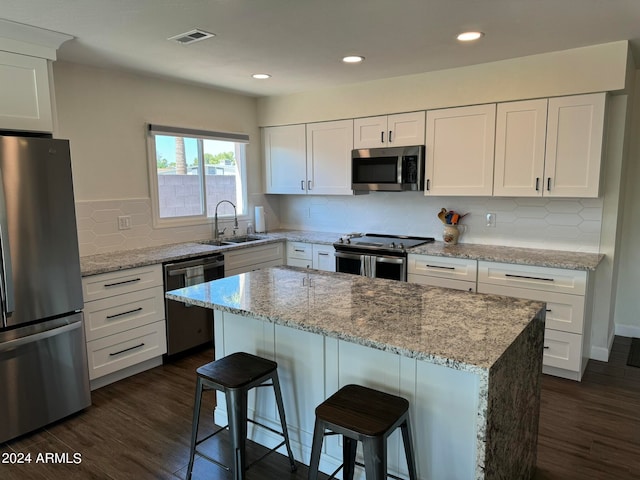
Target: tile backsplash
{"points": [[563, 224]]}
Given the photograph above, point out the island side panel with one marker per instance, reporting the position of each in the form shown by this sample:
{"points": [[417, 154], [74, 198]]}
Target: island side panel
{"points": [[514, 407]]}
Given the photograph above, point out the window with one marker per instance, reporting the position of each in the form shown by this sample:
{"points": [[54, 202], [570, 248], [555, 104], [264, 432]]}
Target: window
{"points": [[192, 170]]}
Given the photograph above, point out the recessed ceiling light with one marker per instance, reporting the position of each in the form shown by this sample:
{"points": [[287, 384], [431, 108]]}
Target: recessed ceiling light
{"points": [[469, 36], [353, 59], [261, 76]]}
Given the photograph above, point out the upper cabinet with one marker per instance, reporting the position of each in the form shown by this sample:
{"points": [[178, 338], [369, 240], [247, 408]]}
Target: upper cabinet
{"points": [[25, 100], [399, 130], [309, 159], [25, 97], [460, 147], [521, 129], [550, 149], [575, 130], [285, 156], [329, 146]]}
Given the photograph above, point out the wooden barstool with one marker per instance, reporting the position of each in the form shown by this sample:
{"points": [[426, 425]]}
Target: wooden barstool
{"points": [[362, 414], [235, 375]]}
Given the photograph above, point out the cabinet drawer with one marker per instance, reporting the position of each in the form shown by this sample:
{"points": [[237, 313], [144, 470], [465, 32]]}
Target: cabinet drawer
{"points": [[115, 352], [109, 284], [116, 314], [537, 278], [443, 267], [564, 312], [562, 350], [442, 282], [244, 259], [302, 251]]}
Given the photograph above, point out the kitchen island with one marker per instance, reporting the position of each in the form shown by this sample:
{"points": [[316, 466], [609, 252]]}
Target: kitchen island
{"points": [[469, 364]]}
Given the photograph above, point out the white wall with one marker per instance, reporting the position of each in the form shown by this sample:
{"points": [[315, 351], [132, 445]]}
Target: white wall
{"points": [[596, 68], [627, 307], [104, 113]]}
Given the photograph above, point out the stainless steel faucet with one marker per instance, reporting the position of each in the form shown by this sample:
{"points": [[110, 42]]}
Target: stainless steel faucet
{"points": [[217, 233]]}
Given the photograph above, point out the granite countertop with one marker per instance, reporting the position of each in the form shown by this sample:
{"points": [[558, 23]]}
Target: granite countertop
{"points": [[109, 262], [461, 330], [522, 256]]}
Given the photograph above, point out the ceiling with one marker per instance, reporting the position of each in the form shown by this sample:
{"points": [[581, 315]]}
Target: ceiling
{"points": [[301, 42]]}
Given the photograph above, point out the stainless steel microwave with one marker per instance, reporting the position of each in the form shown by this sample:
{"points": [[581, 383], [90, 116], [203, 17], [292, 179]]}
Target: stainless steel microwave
{"points": [[391, 169]]}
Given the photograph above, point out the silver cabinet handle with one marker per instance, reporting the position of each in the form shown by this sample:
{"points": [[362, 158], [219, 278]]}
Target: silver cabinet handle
{"points": [[389, 138], [323, 253], [381, 137], [537, 184], [441, 267], [126, 350], [301, 184], [549, 184], [308, 184]]}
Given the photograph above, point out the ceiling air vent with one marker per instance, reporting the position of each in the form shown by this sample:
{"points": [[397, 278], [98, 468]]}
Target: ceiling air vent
{"points": [[192, 36]]}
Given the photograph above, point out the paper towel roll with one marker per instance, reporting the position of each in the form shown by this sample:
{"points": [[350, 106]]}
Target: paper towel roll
{"points": [[260, 222]]}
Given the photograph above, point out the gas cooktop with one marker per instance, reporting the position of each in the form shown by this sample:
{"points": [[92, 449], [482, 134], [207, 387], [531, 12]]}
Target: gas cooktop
{"points": [[379, 242]]}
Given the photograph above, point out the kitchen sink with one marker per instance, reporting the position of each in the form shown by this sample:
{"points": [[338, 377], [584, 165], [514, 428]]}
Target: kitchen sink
{"points": [[232, 240]]}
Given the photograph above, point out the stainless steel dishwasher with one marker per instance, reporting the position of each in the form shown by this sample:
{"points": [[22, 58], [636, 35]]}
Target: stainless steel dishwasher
{"points": [[189, 326]]}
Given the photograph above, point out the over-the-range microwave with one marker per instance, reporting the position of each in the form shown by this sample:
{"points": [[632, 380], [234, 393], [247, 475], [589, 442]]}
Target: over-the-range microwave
{"points": [[390, 169]]}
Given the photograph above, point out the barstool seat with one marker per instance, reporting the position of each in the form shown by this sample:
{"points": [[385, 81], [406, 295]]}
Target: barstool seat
{"points": [[235, 375], [362, 414]]}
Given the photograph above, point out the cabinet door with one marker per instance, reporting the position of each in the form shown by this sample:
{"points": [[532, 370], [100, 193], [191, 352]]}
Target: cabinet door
{"points": [[521, 129], [460, 146], [324, 258], [25, 102], [285, 159], [574, 145], [406, 129], [329, 146], [370, 132]]}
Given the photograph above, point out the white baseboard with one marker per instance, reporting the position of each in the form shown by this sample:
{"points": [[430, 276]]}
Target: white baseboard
{"points": [[601, 353], [628, 330]]}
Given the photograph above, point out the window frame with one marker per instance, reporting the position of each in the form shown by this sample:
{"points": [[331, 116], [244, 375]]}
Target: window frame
{"points": [[190, 220]]}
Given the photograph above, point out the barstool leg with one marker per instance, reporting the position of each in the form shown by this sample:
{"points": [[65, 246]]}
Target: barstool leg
{"points": [[316, 449], [237, 413], [349, 446], [407, 439], [283, 419], [375, 458], [194, 426]]}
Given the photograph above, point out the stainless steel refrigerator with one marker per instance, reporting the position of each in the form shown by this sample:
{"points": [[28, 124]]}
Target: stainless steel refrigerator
{"points": [[43, 360]]}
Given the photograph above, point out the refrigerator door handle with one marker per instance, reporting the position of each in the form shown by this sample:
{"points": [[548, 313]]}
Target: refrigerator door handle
{"points": [[36, 337], [6, 273]]}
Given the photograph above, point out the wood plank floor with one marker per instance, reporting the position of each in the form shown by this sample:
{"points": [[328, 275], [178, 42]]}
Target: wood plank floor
{"points": [[139, 428]]}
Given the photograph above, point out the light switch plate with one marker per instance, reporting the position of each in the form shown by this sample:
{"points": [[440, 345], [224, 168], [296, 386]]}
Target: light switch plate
{"points": [[491, 219], [124, 222]]}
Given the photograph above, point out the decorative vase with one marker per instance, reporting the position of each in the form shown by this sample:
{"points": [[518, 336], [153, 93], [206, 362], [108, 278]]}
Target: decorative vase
{"points": [[450, 234]]}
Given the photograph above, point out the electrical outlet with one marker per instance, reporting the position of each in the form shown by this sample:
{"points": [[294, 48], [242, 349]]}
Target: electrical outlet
{"points": [[491, 219], [124, 222]]}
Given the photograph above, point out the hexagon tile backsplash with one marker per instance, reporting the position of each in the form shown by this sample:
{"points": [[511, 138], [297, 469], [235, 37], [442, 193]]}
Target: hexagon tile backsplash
{"points": [[563, 224]]}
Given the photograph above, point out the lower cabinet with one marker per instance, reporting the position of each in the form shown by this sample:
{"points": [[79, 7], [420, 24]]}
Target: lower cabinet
{"points": [[568, 326], [447, 272], [124, 323], [253, 258], [311, 255]]}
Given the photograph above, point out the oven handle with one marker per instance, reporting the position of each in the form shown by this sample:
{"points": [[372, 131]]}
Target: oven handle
{"points": [[348, 256], [394, 260]]}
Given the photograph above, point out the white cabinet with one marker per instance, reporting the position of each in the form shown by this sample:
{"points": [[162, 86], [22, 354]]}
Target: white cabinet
{"points": [[573, 157], [447, 272], [285, 151], [399, 130], [460, 151], [572, 130], [309, 159], [329, 146], [125, 322], [324, 257], [567, 328], [311, 255], [25, 100], [252, 258], [521, 129]]}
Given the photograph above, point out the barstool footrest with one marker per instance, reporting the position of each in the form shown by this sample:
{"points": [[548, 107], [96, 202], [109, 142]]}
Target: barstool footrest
{"points": [[198, 442], [213, 460]]}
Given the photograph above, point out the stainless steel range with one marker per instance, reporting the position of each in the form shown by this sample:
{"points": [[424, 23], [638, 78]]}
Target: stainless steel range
{"points": [[375, 255]]}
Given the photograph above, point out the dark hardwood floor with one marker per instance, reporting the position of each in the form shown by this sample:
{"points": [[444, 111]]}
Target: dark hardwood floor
{"points": [[139, 428]]}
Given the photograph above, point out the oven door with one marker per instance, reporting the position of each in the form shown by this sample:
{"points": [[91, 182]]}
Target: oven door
{"points": [[373, 266]]}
